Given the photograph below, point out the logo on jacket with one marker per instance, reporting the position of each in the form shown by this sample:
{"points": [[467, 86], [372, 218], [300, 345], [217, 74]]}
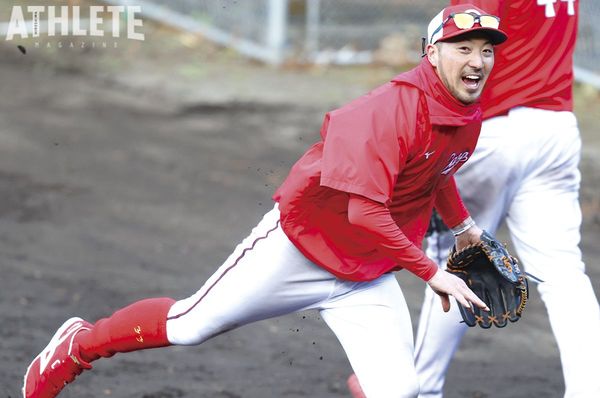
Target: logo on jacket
{"points": [[428, 154], [455, 159]]}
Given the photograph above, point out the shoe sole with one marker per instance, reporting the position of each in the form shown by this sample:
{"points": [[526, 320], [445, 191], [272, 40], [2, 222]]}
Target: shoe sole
{"points": [[65, 326]]}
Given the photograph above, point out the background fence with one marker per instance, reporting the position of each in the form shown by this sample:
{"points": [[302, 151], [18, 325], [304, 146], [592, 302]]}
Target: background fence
{"points": [[587, 54], [334, 31]]}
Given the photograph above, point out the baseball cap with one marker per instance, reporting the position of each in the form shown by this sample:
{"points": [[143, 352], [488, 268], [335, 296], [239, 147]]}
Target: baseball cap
{"points": [[459, 19]]}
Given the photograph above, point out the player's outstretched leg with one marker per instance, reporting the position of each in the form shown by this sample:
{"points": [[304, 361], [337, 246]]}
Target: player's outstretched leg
{"points": [[139, 326]]}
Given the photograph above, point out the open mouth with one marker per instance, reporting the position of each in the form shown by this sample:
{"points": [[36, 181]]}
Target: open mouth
{"points": [[471, 81]]}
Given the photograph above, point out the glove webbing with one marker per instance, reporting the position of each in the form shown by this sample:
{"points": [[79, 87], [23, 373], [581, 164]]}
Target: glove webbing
{"points": [[520, 280]]}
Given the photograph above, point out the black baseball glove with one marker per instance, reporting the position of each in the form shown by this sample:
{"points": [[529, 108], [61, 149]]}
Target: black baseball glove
{"points": [[494, 276]]}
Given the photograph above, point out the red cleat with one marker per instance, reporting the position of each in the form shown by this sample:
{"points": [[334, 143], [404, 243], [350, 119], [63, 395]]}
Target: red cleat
{"points": [[354, 387], [58, 364]]}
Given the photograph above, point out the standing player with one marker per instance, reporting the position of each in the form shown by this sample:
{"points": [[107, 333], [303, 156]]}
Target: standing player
{"points": [[525, 171], [353, 208]]}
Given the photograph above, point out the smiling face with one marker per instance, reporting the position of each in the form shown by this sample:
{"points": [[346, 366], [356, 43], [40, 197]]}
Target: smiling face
{"points": [[463, 64]]}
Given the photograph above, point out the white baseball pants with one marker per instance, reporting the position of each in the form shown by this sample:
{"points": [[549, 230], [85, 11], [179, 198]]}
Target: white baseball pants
{"points": [[267, 276], [524, 170]]}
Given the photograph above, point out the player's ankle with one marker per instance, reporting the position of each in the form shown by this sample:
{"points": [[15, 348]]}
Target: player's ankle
{"points": [[84, 355]]}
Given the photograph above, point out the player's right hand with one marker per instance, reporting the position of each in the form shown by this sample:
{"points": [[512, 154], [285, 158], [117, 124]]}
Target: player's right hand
{"points": [[445, 284]]}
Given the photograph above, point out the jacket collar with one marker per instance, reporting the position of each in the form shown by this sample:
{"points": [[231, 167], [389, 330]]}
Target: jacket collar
{"points": [[444, 108]]}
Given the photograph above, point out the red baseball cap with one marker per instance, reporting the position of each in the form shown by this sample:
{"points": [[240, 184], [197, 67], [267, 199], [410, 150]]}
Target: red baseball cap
{"points": [[443, 26]]}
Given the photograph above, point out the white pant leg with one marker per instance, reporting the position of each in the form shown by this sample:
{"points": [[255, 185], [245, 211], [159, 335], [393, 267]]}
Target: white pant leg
{"points": [[267, 276], [434, 349], [264, 277], [544, 220], [539, 151], [486, 183], [373, 325]]}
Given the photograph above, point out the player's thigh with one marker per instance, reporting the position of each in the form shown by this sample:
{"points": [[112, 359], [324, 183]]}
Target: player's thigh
{"points": [[545, 229], [266, 276], [544, 218], [373, 325]]}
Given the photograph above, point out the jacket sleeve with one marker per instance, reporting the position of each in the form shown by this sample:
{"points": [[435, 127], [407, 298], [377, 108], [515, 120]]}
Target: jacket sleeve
{"points": [[376, 220], [450, 206], [366, 142]]}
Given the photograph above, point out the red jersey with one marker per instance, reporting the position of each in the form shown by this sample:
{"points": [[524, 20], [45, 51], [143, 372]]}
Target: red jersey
{"points": [[398, 145], [534, 67]]}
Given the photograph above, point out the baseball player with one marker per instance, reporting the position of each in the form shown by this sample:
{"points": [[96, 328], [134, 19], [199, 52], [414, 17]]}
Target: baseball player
{"points": [[525, 172], [354, 208]]}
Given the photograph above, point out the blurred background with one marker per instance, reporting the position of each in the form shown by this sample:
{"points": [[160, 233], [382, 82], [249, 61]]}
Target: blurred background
{"points": [[131, 168]]}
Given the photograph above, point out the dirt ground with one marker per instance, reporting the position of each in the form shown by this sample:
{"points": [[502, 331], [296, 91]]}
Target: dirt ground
{"points": [[131, 172]]}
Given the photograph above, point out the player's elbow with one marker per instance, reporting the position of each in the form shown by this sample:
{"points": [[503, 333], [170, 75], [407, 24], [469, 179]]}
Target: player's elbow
{"points": [[357, 216]]}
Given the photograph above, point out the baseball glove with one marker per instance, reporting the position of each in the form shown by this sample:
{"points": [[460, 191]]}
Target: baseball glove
{"points": [[494, 276]]}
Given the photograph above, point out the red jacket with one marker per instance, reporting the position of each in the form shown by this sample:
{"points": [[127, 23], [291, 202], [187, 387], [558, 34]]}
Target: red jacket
{"points": [[399, 145]]}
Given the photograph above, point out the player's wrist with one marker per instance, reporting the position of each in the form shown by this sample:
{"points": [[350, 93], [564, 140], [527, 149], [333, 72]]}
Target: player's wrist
{"points": [[463, 227]]}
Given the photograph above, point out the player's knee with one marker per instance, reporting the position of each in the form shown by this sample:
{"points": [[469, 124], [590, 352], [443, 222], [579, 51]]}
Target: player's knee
{"points": [[190, 333], [195, 326]]}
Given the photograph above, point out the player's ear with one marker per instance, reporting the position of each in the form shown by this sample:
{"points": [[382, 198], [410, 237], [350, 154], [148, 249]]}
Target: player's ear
{"points": [[433, 54]]}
